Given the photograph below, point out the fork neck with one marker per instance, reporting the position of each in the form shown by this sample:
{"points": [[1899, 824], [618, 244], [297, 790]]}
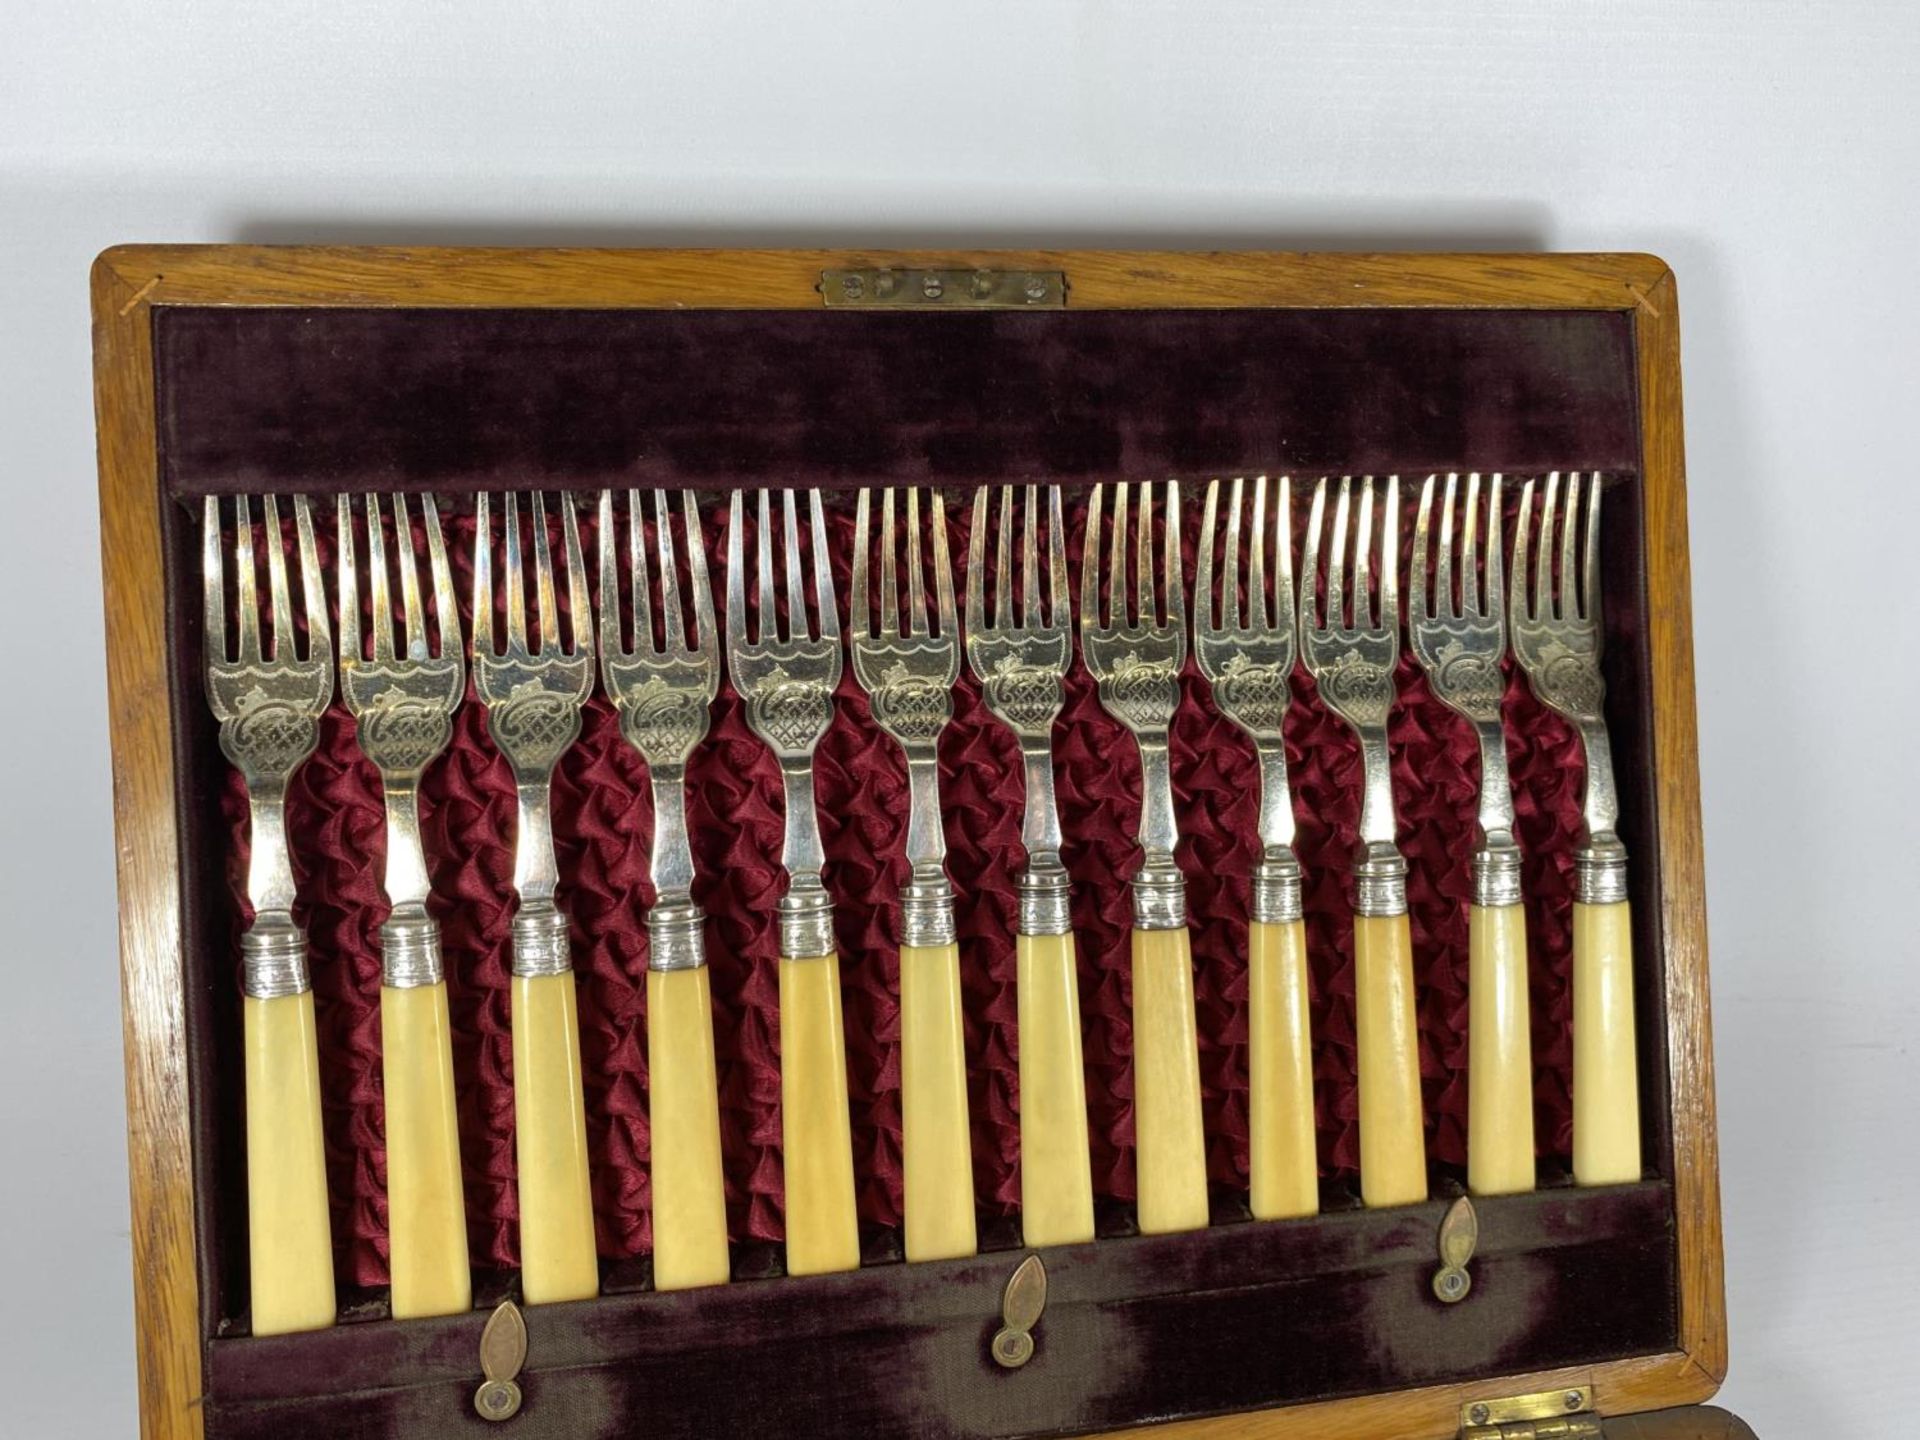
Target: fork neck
{"points": [[801, 853], [1600, 864], [536, 874]]}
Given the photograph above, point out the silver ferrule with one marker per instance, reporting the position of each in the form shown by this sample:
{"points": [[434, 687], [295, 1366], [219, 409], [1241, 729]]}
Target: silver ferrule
{"points": [[1380, 882], [926, 909], [273, 958], [1496, 874], [675, 938], [410, 950], [540, 940], [1600, 871], [806, 919], [1159, 895], [1046, 896], [1276, 896]]}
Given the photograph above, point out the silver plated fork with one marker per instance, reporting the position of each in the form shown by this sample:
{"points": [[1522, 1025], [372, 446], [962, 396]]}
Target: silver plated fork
{"points": [[1248, 654], [533, 685], [1460, 635], [402, 696], [1557, 639], [663, 690], [1135, 646], [269, 699], [1350, 651], [907, 662]]}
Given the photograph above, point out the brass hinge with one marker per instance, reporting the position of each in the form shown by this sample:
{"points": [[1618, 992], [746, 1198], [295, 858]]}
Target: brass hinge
{"points": [[1550, 1415], [882, 289]]}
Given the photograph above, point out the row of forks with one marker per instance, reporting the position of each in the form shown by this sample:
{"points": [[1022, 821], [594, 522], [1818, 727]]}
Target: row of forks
{"points": [[905, 646]]}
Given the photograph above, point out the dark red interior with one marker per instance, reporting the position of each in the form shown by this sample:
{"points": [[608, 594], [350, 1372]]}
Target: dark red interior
{"points": [[324, 401]]}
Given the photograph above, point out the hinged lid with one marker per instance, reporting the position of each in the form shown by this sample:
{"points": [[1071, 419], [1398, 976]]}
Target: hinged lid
{"points": [[1549, 1415]]}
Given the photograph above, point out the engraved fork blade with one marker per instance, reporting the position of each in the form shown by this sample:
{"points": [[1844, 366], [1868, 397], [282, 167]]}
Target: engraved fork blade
{"points": [[268, 700], [663, 689], [402, 696], [907, 667], [1249, 659], [1020, 657], [787, 678]]}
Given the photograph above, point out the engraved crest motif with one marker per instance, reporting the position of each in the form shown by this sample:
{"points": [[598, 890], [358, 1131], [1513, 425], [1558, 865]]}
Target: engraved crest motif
{"points": [[1470, 681], [1254, 694], [661, 720], [534, 725], [791, 714], [401, 733], [1570, 680], [1141, 693], [267, 735], [1026, 696], [1360, 690], [910, 707]]}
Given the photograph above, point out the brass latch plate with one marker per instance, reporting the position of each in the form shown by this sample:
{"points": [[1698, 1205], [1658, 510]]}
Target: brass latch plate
{"points": [[1549, 1415], [885, 289]]}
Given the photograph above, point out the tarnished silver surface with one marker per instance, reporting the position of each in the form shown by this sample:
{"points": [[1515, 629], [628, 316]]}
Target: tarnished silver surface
{"points": [[1556, 638], [1600, 872], [786, 678], [663, 689], [1020, 656], [533, 687], [907, 663], [1350, 654], [402, 696], [1459, 636], [1134, 646], [1248, 657], [268, 700], [1159, 895]]}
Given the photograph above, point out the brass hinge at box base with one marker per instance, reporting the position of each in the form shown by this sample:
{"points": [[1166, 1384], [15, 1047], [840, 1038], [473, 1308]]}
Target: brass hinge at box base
{"points": [[885, 289], [1549, 1415]]}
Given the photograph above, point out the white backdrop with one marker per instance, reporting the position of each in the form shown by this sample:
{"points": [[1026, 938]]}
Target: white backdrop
{"points": [[1766, 149]]}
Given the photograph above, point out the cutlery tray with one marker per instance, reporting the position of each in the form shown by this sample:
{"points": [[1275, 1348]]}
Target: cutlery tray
{"points": [[234, 370]]}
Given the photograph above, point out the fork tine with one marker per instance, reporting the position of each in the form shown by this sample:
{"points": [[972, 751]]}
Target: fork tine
{"points": [[676, 636], [1283, 603], [1173, 575], [1337, 570], [1566, 602], [448, 612], [889, 571], [861, 617], [1445, 603], [282, 600], [1390, 560], [1470, 602], [1143, 582], [1310, 560], [763, 565], [516, 581], [213, 575], [482, 579], [543, 573], [1522, 545], [313, 589], [1230, 568], [1205, 601], [822, 571], [942, 568], [1119, 605], [1056, 557], [796, 580], [976, 564], [1090, 564], [346, 579], [697, 573], [1590, 594], [1003, 615], [736, 571], [1544, 607], [916, 581], [378, 579], [246, 596], [1363, 608], [579, 601], [637, 570], [1496, 580], [1422, 535], [1030, 560], [1257, 611], [413, 608], [610, 643]]}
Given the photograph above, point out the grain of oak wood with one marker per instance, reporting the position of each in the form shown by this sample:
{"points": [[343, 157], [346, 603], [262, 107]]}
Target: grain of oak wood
{"points": [[129, 281]]}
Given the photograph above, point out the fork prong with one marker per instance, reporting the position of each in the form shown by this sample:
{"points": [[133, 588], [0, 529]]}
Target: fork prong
{"points": [[482, 578], [246, 595], [1544, 606], [1566, 602], [1522, 550], [942, 568], [829, 628], [1230, 562], [412, 606], [704, 641], [313, 588], [447, 612], [1145, 609], [889, 568], [1056, 557], [763, 569], [543, 574], [213, 578], [1422, 541], [1030, 560], [858, 597], [1390, 560], [579, 600], [1090, 563], [1590, 570], [1337, 569], [916, 580], [1257, 611], [736, 571], [796, 579], [1173, 575], [346, 568], [1363, 608], [516, 580], [637, 573], [976, 564], [1283, 604], [1445, 602], [609, 542], [676, 629], [281, 598], [1003, 615], [1310, 560], [1470, 601], [1119, 603], [1206, 602], [1496, 579], [378, 579]]}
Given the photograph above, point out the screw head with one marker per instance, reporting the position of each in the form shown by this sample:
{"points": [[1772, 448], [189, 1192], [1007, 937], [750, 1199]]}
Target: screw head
{"points": [[497, 1400], [1036, 288], [851, 286], [1571, 1399], [1479, 1414], [931, 287]]}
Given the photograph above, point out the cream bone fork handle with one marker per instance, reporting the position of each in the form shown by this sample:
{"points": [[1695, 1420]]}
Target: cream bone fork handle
{"points": [[1248, 657], [1556, 637], [1135, 651], [1021, 659], [1459, 637], [1351, 658], [907, 666], [533, 687], [403, 696], [664, 692], [787, 681], [269, 703]]}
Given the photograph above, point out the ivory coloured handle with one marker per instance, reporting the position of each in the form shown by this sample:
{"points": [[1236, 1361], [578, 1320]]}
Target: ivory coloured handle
{"points": [[289, 1240], [689, 1194], [426, 1206], [936, 1141], [1499, 1052], [1056, 1167], [1285, 1178], [1393, 1147], [1606, 1086], [823, 1230], [1169, 1142], [557, 1255]]}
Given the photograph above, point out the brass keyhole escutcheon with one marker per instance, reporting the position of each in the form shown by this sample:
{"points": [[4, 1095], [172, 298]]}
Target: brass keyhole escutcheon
{"points": [[1021, 1306], [1459, 1234], [503, 1350]]}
